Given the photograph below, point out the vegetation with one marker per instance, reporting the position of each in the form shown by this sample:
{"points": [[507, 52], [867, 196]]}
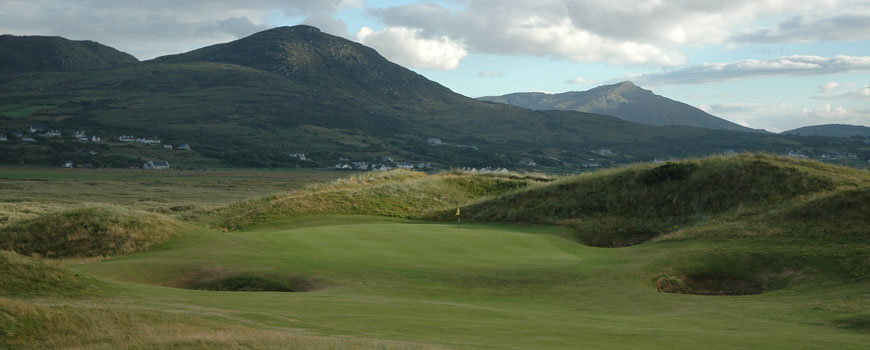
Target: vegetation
{"points": [[399, 193], [748, 251], [22, 54], [88, 232], [832, 130], [623, 100], [251, 102]]}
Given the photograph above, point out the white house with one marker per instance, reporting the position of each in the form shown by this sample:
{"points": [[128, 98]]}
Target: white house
{"points": [[3, 137], [127, 138], [183, 146], [300, 156], [157, 165]]}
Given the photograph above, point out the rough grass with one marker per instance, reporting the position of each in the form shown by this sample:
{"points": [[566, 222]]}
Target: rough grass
{"points": [[83, 325], [398, 193], [23, 275], [88, 232], [627, 206]]}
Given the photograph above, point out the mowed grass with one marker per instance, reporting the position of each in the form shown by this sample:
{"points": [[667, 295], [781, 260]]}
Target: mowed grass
{"points": [[479, 286]]}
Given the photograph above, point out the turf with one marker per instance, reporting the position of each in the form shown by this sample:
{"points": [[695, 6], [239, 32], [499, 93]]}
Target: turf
{"points": [[782, 263], [482, 287]]}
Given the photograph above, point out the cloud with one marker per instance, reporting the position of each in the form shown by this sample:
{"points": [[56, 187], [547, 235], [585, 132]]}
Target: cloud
{"points": [[407, 47], [846, 91], [625, 32], [240, 26], [148, 29], [579, 81], [801, 29], [785, 116], [490, 74], [746, 69]]}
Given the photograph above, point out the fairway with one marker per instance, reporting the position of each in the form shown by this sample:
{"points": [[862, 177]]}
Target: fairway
{"points": [[474, 287]]}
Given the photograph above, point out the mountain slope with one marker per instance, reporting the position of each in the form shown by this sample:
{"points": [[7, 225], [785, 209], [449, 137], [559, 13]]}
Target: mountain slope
{"points": [[289, 90], [306, 55], [831, 130], [625, 101], [21, 54]]}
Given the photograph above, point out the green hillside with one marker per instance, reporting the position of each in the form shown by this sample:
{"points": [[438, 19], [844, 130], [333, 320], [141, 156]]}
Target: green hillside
{"points": [[831, 130], [625, 101], [23, 54], [759, 252], [254, 101]]}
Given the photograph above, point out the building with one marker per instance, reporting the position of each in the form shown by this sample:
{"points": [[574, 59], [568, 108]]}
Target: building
{"points": [[149, 140], [95, 139], [68, 164], [126, 138], [28, 139], [300, 156], [36, 128], [381, 167], [167, 146], [360, 165], [3, 137], [184, 147], [157, 165], [51, 133], [434, 140]]}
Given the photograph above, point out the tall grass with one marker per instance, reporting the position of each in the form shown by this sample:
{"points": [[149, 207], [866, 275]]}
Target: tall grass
{"points": [[88, 232]]}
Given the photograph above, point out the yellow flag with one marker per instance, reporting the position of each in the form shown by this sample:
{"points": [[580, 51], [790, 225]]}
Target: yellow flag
{"points": [[457, 211]]}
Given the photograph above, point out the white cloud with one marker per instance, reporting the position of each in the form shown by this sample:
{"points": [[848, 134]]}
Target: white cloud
{"points": [[407, 47], [148, 29], [489, 73], [785, 116], [846, 91], [579, 81], [630, 32], [746, 69], [852, 26]]}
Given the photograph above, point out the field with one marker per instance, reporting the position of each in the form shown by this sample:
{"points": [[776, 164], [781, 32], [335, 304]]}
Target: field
{"points": [[315, 269]]}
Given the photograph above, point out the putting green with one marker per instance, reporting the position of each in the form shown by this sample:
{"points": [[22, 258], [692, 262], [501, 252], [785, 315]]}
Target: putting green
{"points": [[478, 287]]}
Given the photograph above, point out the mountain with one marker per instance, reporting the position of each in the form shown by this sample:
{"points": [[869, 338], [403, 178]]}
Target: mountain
{"points": [[21, 54], [255, 101], [625, 101], [831, 130]]}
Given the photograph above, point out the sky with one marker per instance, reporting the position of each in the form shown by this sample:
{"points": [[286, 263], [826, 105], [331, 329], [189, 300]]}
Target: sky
{"points": [[771, 64]]}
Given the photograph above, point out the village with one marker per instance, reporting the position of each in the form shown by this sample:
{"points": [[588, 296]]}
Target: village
{"points": [[40, 133]]}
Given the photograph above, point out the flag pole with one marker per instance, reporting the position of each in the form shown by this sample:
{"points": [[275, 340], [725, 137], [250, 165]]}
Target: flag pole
{"points": [[458, 219]]}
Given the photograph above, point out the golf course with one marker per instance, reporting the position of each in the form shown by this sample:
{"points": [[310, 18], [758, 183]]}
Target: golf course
{"points": [[740, 252]]}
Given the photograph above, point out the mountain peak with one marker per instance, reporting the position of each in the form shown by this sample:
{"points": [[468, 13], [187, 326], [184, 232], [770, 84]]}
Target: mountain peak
{"points": [[309, 56], [624, 100], [55, 54]]}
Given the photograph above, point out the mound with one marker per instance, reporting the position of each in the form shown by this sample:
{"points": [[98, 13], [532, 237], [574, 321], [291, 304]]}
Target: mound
{"points": [[398, 193], [845, 215], [88, 232], [29, 276], [631, 205]]}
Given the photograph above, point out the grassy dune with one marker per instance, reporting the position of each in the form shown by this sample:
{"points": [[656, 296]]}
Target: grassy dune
{"points": [[88, 232], [399, 193], [750, 251]]}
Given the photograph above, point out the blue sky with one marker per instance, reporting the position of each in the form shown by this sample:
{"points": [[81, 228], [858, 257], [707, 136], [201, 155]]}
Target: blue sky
{"points": [[768, 64]]}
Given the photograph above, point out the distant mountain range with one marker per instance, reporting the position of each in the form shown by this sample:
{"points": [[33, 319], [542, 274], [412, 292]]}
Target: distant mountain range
{"points": [[831, 130], [258, 100], [625, 101], [20, 54]]}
